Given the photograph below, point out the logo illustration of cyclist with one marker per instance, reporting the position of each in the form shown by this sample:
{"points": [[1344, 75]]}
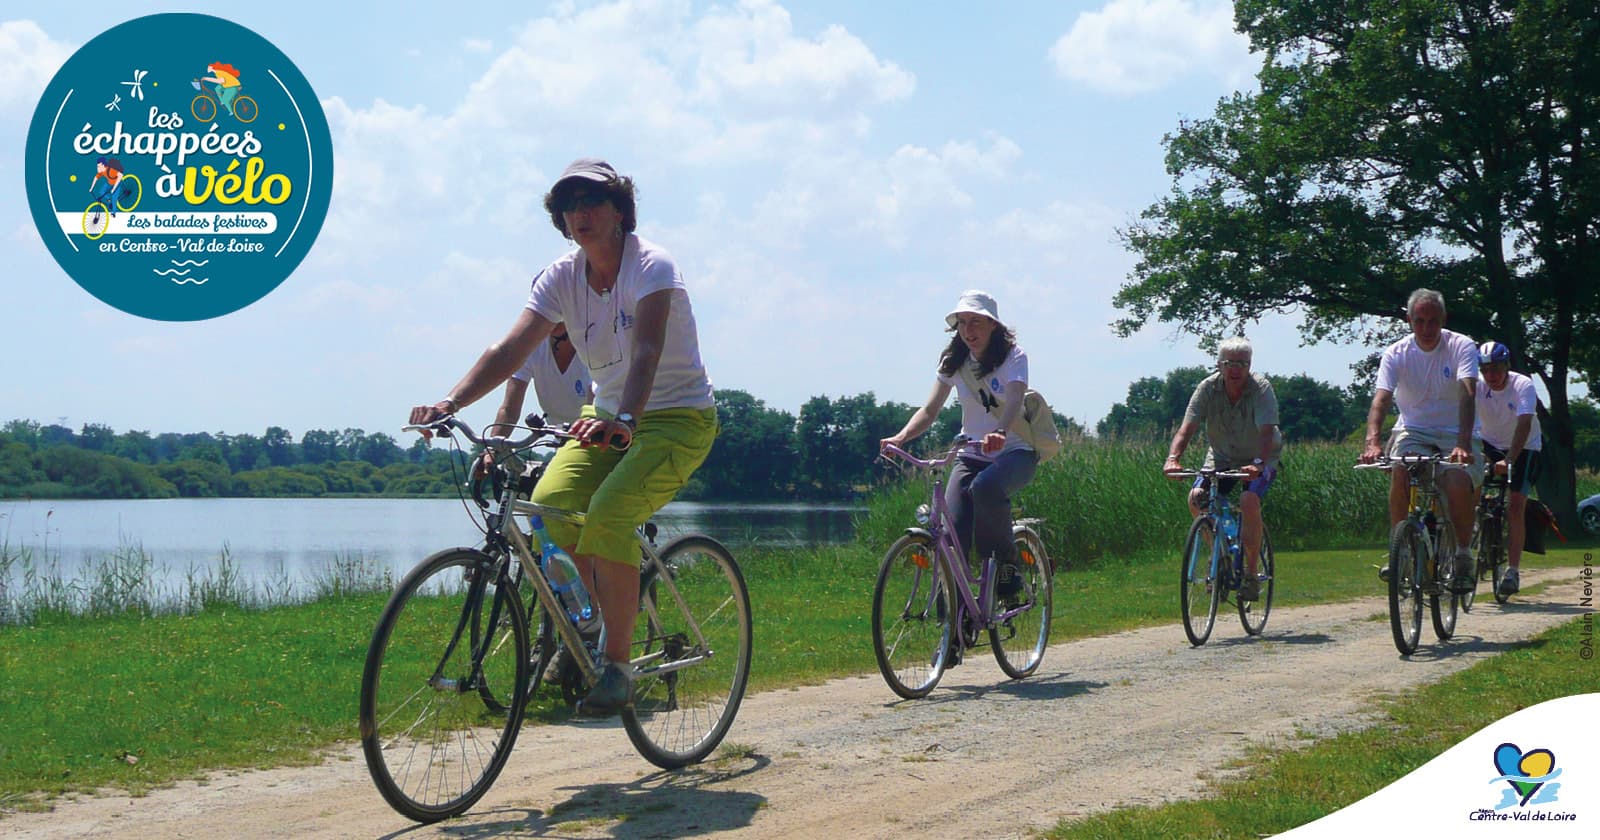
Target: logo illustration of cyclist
{"points": [[108, 186], [224, 90]]}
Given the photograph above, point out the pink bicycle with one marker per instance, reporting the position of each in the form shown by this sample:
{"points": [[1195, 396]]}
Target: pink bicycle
{"points": [[929, 606]]}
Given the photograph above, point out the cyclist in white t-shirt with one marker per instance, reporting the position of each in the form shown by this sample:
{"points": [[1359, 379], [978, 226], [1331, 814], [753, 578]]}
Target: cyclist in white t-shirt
{"points": [[989, 373], [560, 381], [1431, 376], [1509, 424]]}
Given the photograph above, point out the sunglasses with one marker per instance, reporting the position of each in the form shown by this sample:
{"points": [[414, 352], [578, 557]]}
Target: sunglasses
{"points": [[1233, 363], [584, 201]]}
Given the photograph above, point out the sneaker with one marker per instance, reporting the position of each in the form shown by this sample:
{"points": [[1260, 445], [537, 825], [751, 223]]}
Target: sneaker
{"points": [[1250, 589], [612, 693], [1466, 577], [1510, 584], [1383, 573], [1008, 584], [952, 654], [562, 667]]}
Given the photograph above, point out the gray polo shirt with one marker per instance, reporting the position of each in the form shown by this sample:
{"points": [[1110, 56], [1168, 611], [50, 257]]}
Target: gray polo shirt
{"points": [[1233, 429]]}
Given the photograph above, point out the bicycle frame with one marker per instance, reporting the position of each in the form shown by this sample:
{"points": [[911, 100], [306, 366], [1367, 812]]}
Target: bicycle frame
{"points": [[1424, 499], [1214, 505], [975, 608]]}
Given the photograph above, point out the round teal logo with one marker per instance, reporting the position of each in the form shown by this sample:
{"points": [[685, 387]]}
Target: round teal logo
{"points": [[179, 167]]}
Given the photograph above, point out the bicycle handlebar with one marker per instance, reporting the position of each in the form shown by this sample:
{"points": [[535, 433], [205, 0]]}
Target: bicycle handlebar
{"points": [[1387, 462], [1209, 473], [448, 422], [961, 442]]}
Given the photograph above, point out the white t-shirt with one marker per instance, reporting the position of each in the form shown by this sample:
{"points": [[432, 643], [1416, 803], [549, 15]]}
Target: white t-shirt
{"points": [[1426, 385], [980, 412], [601, 326], [1498, 412], [562, 394]]}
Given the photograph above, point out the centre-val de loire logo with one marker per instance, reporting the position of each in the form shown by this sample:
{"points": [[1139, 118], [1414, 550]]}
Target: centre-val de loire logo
{"points": [[1529, 779]]}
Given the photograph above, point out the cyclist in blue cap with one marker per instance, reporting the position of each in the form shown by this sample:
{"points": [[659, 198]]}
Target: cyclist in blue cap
{"points": [[1508, 423]]}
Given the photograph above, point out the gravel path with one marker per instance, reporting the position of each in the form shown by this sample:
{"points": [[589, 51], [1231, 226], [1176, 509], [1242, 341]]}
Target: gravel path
{"points": [[1106, 722]]}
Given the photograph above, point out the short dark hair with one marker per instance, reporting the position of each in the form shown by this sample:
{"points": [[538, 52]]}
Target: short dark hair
{"points": [[618, 190], [955, 354]]}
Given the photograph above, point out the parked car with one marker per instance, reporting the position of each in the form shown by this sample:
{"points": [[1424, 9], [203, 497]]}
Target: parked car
{"points": [[1589, 514]]}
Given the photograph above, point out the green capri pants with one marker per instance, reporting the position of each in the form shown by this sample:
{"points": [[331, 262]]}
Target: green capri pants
{"points": [[620, 490]]}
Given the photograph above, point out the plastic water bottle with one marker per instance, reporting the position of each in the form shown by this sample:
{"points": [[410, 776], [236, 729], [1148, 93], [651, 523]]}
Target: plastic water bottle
{"points": [[1228, 522], [564, 578]]}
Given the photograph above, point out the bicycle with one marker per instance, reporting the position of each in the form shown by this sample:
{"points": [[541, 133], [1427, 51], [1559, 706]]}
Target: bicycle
{"points": [[124, 196], [927, 606], [205, 105], [1489, 539], [452, 662], [1212, 567], [1414, 550]]}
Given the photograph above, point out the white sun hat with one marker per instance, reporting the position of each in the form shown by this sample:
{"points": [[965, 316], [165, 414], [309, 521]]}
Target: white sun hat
{"points": [[977, 302]]}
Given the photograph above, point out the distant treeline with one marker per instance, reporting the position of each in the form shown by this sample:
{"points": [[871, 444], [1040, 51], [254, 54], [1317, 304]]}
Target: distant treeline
{"points": [[824, 453]]}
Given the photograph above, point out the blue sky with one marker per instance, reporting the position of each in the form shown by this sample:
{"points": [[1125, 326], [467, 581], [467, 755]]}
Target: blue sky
{"points": [[829, 175]]}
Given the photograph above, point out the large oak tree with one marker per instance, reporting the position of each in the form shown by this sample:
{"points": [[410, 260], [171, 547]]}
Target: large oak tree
{"points": [[1395, 144]]}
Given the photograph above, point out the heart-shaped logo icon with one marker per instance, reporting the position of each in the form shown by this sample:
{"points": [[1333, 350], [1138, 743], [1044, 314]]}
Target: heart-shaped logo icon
{"points": [[1512, 761]]}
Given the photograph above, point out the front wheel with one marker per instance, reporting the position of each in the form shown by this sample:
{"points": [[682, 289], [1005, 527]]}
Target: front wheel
{"points": [[204, 108], [1406, 556], [1491, 554], [433, 744], [912, 617], [1253, 614], [1019, 641], [691, 653], [1444, 604], [95, 220], [1199, 591]]}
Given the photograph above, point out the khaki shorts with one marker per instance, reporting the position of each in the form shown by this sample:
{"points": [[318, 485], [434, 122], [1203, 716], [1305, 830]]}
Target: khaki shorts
{"points": [[620, 490], [1425, 442]]}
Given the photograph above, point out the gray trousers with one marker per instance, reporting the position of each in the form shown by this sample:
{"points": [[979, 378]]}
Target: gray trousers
{"points": [[979, 499]]}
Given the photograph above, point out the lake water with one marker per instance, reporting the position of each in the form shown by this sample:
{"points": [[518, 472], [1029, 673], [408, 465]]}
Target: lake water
{"points": [[271, 540]]}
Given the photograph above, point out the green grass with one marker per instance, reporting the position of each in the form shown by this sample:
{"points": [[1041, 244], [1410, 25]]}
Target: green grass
{"points": [[1281, 789], [236, 688]]}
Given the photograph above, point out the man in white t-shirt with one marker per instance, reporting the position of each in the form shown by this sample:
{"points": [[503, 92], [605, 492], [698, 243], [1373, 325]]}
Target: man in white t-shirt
{"points": [[1431, 376], [1508, 423]]}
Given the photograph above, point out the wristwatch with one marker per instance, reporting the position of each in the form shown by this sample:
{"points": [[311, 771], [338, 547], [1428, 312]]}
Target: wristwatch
{"points": [[1258, 462], [626, 419]]}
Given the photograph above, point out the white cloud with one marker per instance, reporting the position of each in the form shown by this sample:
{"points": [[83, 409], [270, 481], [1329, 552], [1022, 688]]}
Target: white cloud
{"points": [[1135, 46], [30, 59]]}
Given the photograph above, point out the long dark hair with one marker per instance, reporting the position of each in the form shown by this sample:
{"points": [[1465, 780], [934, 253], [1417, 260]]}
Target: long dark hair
{"points": [[955, 354]]}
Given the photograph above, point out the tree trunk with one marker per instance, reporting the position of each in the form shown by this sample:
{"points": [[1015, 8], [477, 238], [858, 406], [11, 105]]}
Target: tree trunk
{"points": [[1558, 480]]}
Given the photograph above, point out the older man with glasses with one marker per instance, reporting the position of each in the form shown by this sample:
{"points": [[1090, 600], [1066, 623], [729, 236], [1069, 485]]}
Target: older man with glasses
{"points": [[1240, 412], [1430, 376]]}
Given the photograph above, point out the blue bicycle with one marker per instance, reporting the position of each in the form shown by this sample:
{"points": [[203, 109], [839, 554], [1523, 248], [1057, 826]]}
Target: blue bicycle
{"points": [[1213, 564]]}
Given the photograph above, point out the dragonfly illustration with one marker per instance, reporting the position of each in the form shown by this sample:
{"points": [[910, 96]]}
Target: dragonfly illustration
{"points": [[137, 84]]}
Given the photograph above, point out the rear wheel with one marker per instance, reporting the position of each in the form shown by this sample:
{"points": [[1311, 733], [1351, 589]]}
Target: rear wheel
{"points": [[1491, 554], [691, 653], [1444, 604], [1253, 614], [911, 617], [432, 742], [1199, 591], [1019, 641], [1405, 586]]}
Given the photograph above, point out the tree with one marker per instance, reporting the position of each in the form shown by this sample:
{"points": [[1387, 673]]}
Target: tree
{"points": [[1394, 145], [1309, 409], [754, 456], [1154, 408]]}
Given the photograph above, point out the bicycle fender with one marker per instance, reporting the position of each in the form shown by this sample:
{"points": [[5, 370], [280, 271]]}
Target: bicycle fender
{"points": [[919, 532]]}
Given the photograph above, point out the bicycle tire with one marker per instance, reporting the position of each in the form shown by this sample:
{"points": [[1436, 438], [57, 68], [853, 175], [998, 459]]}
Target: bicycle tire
{"points": [[1496, 558], [203, 105], [1405, 586], [1029, 629], [129, 184], [432, 746], [1197, 580], [1444, 605], [245, 110], [912, 617], [96, 219], [679, 716], [1253, 614]]}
